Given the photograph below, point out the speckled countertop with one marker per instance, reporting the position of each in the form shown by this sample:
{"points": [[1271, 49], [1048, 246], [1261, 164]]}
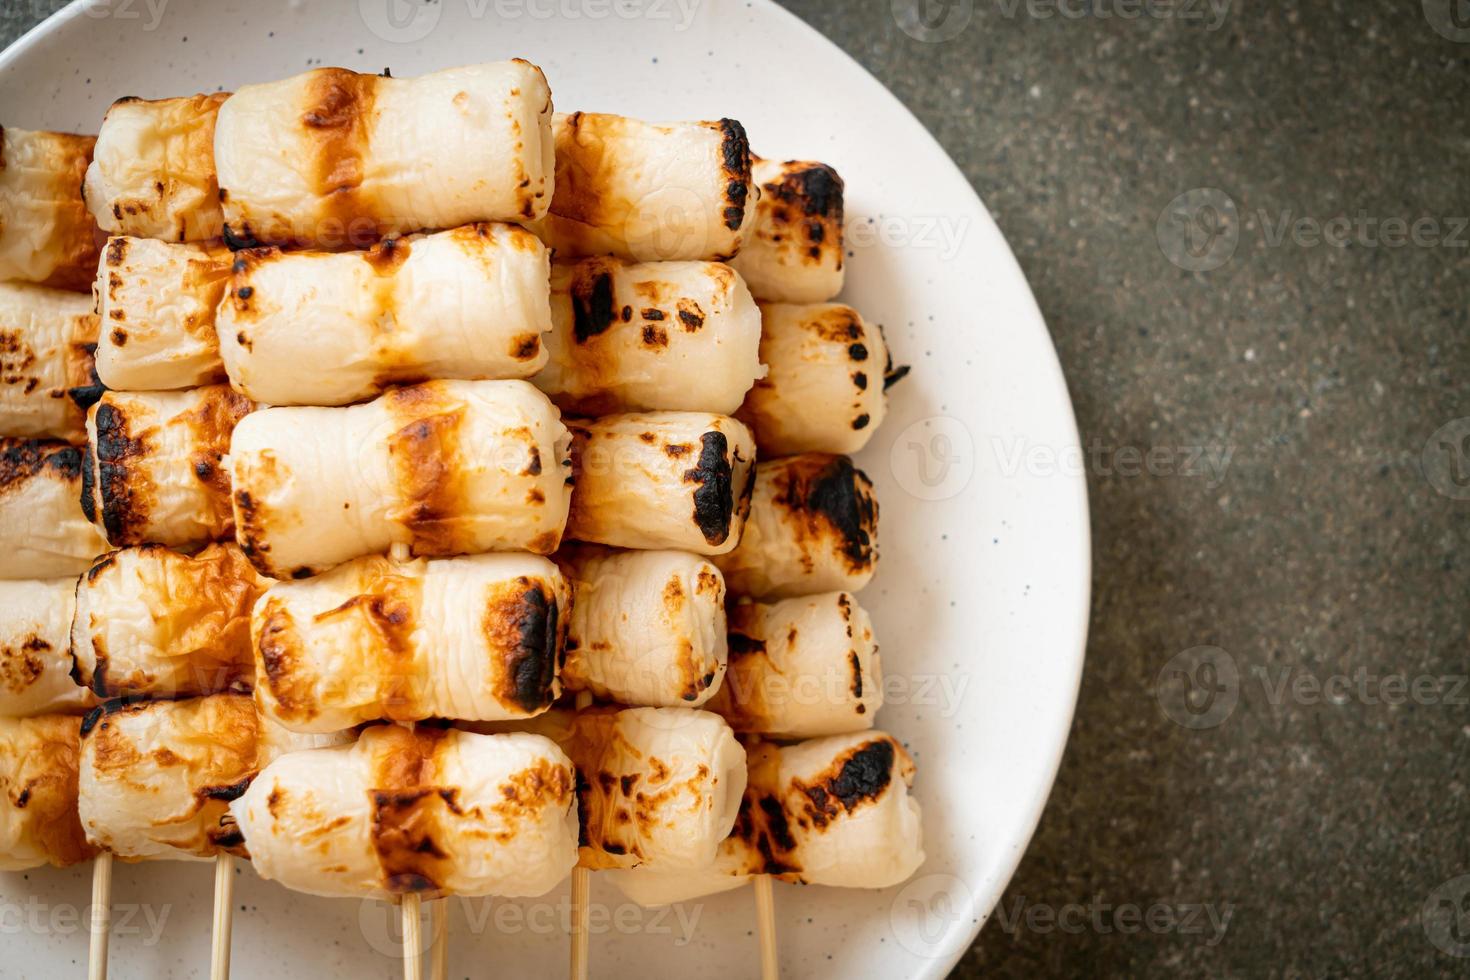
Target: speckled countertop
{"points": [[1276, 412]]}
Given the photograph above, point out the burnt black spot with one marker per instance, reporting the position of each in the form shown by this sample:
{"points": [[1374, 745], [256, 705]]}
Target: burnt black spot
{"points": [[614, 848], [653, 313], [592, 307], [838, 494], [865, 774], [895, 375], [99, 675], [714, 501], [691, 320], [857, 674], [535, 662], [776, 822], [233, 791], [227, 838], [627, 783], [627, 313], [115, 451], [743, 646], [117, 248], [23, 798], [861, 422], [245, 292], [735, 155], [860, 380], [819, 192], [857, 352], [242, 239], [92, 718]]}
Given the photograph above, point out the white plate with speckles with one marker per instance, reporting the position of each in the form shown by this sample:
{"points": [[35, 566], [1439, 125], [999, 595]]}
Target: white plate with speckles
{"points": [[981, 600]]}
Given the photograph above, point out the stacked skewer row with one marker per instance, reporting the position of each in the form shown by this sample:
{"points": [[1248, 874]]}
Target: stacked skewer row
{"points": [[303, 565]]}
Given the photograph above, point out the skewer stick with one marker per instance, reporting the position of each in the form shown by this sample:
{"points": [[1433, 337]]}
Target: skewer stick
{"points": [[413, 964], [439, 951], [581, 898], [101, 916], [765, 914], [581, 906], [224, 904]]}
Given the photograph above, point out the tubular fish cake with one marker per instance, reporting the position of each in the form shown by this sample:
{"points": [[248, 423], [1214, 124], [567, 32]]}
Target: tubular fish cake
{"points": [[38, 793], [447, 467], [661, 480], [152, 172], [813, 528], [649, 192], [652, 336], [47, 236], [150, 621], [825, 388], [430, 811], [471, 303], [46, 341], [800, 668], [35, 649], [156, 471], [647, 627], [46, 534], [794, 251], [659, 787], [332, 158], [157, 777], [830, 811], [156, 302], [477, 638]]}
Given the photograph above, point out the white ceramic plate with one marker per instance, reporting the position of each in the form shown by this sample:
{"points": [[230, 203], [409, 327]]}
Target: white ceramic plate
{"points": [[982, 598]]}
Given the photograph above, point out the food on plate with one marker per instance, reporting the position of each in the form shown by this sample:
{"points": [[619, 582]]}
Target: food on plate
{"points": [[659, 787], [157, 777], [432, 811], [829, 811], [478, 638], [156, 302], [824, 392], [45, 533], [446, 467], [647, 191], [469, 303], [655, 480], [650, 336], [47, 236], [38, 793], [334, 158], [801, 668], [813, 527], [35, 649], [152, 172], [155, 465], [647, 627], [46, 342], [153, 622], [793, 253]]}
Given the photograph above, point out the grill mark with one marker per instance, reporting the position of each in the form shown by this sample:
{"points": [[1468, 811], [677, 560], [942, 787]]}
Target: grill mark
{"points": [[714, 500], [339, 116], [425, 454]]}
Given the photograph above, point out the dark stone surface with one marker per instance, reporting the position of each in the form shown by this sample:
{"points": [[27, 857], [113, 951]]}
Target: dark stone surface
{"points": [[1322, 824]]}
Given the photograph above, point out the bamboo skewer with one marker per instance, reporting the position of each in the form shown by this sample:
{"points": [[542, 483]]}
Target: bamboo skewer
{"points": [[581, 919], [439, 931], [413, 964], [765, 914], [101, 916], [224, 918]]}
